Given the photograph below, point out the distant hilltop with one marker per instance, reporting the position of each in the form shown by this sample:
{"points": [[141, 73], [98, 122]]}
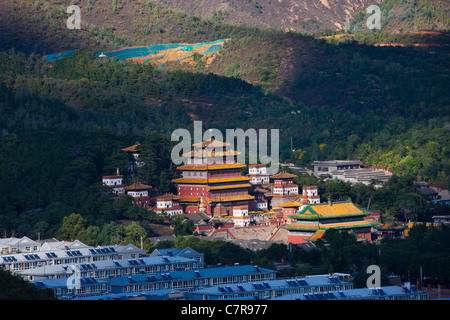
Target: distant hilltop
{"points": [[157, 54]]}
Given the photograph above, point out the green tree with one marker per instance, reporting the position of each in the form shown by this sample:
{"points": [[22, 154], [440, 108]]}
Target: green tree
{"points": [[182, 226], [72, 227]]}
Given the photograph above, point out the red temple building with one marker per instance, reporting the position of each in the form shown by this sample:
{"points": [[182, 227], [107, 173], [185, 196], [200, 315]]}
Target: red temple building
{"points": [[216, 185]]}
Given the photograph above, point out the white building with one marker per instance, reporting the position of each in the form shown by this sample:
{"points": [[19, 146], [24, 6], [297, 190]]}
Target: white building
{"points": [[169, 204], [115, 182], [15, 245], [310, 194], [241, 217], [25, 261], [258, 174]]}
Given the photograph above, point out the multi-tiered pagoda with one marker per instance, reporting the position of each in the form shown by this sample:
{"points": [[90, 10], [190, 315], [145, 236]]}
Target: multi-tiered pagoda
{"points": [[212, 179]]}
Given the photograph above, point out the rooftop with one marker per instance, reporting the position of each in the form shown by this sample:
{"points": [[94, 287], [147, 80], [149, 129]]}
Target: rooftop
{"points": [[283, 175], [134, 148], [211, 143], [137, 186], [327, 210], [354, 294], [335, 163]]}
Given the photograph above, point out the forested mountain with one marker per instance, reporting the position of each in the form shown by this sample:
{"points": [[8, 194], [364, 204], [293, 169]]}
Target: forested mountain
{"points": [[63, 123], [310, 16]]}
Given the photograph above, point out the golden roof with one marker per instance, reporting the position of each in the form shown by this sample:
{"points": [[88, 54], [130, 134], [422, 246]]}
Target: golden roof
{"points": [[134, 148], [168, 196], [317, 235], [190, 180], [137, 186], [204, 166], [283, 175], [325, 210], [190, 199], [291, 204], [325, 226]]}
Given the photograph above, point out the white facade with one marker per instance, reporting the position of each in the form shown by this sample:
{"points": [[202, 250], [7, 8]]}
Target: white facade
{"points": [[285, 190], [261, 205], [258, 175], [14, 245], [114, 182], [311, 194], [260, 179], [170, 207], [138, 193], [241, 217]]}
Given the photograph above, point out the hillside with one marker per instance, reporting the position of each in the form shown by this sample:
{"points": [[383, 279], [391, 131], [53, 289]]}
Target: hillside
{"points": [[306, 16], [371, 96], [398, 17]]}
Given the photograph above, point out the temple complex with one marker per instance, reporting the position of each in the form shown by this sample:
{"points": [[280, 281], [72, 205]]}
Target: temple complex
{"points": [[214, 185], [313, 220]]}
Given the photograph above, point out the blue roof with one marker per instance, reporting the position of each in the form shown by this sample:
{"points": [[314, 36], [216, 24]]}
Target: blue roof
{"points": [[351, 294], [309, 281], [190, 274], [62, 282], [108, 264], [149, 295]]}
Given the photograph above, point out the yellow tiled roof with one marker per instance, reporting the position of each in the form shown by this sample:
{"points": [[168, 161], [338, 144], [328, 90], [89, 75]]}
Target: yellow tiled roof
{"points": [[283, 175], [134, 148], [168, 196], [190, 199], [326, 210], [189, 180], [325, 226], [291, 204], [137, 186], [317, 235], [204, 167], [342, 208]]}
